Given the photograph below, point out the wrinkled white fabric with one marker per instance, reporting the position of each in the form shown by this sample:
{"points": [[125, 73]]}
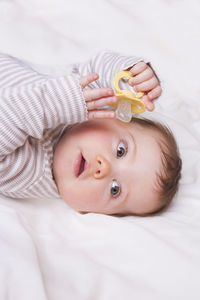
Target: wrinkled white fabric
{"points": [[47, 250]]}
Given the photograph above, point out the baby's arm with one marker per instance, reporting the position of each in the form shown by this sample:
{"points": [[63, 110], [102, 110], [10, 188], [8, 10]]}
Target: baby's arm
{"points": [[28, 109], [29, 104], [106, 64]]}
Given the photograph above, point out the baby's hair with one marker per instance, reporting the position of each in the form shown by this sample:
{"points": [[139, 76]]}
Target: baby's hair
{"points": [[168, 179]]}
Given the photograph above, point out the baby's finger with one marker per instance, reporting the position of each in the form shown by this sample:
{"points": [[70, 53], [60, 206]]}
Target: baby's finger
{"points": [[85, 80], [101, 114], [143, 76], [95, 94], [101, 102], [155, 93], [148, 103], [138, 68], [148, 85]]}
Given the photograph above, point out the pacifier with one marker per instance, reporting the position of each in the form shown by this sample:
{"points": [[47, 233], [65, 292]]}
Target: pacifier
{"points": [[129, 103]]}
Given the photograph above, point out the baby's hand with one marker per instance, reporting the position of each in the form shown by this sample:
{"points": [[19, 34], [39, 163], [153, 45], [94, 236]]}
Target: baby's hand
{"points": [[146, 81], [97, 98]]}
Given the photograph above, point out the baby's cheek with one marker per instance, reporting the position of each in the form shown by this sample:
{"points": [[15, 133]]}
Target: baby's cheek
{"points": [[80, 198]]}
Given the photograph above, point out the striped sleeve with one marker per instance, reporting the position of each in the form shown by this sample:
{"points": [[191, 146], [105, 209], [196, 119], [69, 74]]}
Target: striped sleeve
{"points": [[14, 72], [106, 64], [31, 103], [27, 110]]}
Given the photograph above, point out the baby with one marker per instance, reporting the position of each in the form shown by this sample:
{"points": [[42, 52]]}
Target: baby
{"points": [[55, 139]]}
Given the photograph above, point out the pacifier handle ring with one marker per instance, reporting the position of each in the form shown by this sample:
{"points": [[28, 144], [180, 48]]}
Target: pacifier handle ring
{"points": [[120, 75]]}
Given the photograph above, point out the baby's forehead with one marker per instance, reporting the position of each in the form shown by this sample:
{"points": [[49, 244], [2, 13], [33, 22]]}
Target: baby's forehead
{"points": [[144, 130]]}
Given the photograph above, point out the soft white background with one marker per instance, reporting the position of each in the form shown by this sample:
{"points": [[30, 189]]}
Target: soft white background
{"points": [[48, 251]]}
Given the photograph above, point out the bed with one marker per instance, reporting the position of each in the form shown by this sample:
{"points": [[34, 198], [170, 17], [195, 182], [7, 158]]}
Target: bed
{"points": [[49, 251]]}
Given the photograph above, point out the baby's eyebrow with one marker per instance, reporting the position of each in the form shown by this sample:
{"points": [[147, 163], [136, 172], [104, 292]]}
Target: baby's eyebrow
{"points": [[126, 197], [132, 158], [133, 155]]}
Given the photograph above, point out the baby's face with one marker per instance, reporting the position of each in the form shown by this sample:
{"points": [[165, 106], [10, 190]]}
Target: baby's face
{"points": [[108, 167]]}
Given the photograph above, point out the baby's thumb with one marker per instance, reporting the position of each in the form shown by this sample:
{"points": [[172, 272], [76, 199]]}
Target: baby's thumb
{"points": [[87, 79]]}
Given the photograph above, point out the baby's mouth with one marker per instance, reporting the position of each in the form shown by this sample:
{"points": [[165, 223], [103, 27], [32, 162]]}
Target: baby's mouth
{"points": [[80, 165]]}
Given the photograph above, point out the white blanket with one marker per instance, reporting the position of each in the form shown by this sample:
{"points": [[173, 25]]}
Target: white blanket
{"points": [[47, 250]]}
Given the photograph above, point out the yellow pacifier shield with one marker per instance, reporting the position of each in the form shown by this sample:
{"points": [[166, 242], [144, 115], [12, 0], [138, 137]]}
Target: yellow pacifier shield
{"points": [[137, 105]]}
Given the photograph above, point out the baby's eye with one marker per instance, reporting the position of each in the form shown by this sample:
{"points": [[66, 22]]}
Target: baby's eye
{"points": [[121, 149], [115, 189]]}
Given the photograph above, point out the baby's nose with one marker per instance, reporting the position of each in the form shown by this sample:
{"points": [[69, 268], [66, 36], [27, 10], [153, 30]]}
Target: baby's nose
{"points": [[102, 167]]}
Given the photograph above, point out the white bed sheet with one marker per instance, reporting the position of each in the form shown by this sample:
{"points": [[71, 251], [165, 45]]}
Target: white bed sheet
{"points": [[47, 250]]}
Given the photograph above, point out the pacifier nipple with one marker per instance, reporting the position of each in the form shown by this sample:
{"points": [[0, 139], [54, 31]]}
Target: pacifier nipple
{"points": [[123, 111]]}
